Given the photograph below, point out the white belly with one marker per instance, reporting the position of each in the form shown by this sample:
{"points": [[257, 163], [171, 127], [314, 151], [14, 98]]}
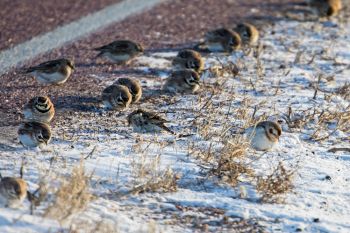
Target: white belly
{"points": [[54, 78], [117, 58], [258, 139], [27, 140], [215, 47]]}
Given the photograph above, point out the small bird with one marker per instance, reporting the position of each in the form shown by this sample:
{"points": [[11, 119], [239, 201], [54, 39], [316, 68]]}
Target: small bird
{"points": [[264, 135], [39, 109], [326, 8], [52, 72], [147, 122], [13, 191], [222, 40], [120, 51], [116, 97], [33, 134], [182, 81], [189, 59], [248, 33], [134, 87]]}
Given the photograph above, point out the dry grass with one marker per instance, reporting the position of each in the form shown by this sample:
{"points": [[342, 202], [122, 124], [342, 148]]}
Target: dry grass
{"points": [[146, 171], [273, 186], [166, 181], [73, 195], [92, 226], [230, 162], [344, 91]]}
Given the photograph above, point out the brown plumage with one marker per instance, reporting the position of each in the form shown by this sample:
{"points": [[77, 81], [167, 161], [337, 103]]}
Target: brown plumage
{"points": [[13, 191], [52, 72], [134, 87], [33, 134], [121, 51], [189, 59], [182, 81], [326, 8], [116, 97], [39, 109], [222, 40], [147, 122], [248, 33]]}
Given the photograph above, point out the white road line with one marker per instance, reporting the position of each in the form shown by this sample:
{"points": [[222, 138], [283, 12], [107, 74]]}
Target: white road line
{"points": [[15, 56]]}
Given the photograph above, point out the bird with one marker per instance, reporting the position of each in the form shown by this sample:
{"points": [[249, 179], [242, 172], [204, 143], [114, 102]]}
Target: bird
{"points": [[120, 51], [52, 72], [13, 191], [326, 8], [222, 40], [182, 81], [134, 87], [189, 59], [264, 135], [34, 134], [116, 97], [248, 33], [147, 122], [39, 109]]}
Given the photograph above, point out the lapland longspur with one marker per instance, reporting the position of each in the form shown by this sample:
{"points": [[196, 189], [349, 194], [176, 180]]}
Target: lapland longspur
{"points": [[223, 40], [116, 97], [248, 33], [147, 122], [52, 72], [33, 134], [182, 81], [134, 87], [326, 8], [121, 51], [39, 109], [13, 191], [264, 136], [189, 59]]}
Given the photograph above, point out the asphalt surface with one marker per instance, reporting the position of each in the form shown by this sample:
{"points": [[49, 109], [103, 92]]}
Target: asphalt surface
{"points": [[22, 20], [173, 24]]}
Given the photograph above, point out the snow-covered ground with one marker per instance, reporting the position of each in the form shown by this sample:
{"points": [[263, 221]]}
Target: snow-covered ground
{"points": [[295, 59]]}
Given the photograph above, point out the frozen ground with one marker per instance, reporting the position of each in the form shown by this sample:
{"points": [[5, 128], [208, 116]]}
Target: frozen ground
{"points": [[296, 58]]}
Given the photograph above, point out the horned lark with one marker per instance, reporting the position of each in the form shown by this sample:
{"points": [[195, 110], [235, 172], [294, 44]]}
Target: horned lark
{"points": [[116, 97], [326, 8], [147, 122], [39, 109], [264, 135], [52, 72], [248, 33], [223, 40], [33, 134], [189, 59], [134, 87], [121, 51], [13, 191], [182, 81]]}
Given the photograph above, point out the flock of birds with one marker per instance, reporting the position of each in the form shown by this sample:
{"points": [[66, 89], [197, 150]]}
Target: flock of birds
{"points": [[185, 79]]}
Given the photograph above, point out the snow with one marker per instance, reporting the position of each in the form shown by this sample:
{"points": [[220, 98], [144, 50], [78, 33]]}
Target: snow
{"points": [[116, 155]]}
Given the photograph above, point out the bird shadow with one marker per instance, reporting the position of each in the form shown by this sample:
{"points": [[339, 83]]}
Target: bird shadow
{"points": [[78, 103], [6, 148]]}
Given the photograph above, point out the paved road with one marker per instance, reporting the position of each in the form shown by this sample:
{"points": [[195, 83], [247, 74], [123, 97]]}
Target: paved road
{"points": [[171, 24]]}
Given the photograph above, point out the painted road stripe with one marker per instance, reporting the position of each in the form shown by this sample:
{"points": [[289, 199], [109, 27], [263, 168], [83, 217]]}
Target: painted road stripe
{"points": [[17, 55]]}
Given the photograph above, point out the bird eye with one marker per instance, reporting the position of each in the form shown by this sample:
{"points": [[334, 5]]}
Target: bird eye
{"points": [[271, 131]]}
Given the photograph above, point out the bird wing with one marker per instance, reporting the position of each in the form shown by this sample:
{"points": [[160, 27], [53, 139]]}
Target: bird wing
{"points": [[47, 67], [117, 46]]}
